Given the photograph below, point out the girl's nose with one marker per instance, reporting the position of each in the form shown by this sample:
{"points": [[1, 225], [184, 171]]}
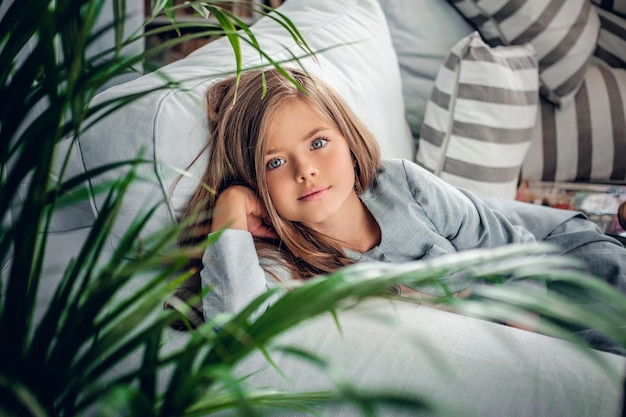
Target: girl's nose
{"points": [[305, 170]]}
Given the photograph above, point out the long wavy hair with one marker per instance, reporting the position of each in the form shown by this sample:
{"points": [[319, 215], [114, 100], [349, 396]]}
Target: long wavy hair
{"points": [[239, 115]]}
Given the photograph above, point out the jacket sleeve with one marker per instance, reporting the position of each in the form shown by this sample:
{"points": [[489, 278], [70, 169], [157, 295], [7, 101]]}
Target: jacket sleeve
{"points": [[232, 275], [465, 220], [459, 215]]}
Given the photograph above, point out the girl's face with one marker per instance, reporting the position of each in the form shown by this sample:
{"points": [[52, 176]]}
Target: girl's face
{"points": [[310, 169]]}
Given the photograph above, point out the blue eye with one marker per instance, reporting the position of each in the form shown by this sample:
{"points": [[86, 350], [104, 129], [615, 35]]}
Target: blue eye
{"points": [[318, 143], [275, 163]]}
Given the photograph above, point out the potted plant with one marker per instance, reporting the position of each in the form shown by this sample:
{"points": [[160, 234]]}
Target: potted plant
{"points": [[60, 364]]}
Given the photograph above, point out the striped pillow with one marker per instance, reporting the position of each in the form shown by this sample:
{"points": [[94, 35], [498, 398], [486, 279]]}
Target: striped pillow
{"points": [[587, 140], [480, 117], [614, 6], [563, 32], [612, 40]]}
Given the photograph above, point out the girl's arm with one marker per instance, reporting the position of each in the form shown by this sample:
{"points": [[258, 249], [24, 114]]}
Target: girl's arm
{"points": [[232, 271], [232, 274]]}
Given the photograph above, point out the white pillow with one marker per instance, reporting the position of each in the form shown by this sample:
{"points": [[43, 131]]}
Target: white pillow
{"points": [[171, 125], [563, 33], [480, 117]]}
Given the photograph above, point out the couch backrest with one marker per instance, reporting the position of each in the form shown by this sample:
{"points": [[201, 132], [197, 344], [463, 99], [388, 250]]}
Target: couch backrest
{"points": [[422, 32]]}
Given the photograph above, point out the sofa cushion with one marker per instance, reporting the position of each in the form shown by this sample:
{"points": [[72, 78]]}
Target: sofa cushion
{"points": [[563, 33], [171, 127], [611, 47], [422, 32], [480, 117], [586, 140]]}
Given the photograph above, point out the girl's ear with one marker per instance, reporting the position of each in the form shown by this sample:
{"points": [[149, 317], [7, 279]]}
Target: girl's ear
{"points": [[216, 98]]}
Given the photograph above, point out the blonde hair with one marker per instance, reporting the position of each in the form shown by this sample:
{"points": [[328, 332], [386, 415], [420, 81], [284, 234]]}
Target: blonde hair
{"points": [[239, 118]]}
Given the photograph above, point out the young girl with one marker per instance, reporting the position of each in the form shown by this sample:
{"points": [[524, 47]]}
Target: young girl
{"points": [[296, 183]]}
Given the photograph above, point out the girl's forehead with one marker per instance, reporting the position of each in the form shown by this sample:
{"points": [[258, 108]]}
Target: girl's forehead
{"points": [[303, 108], [297, 122]]}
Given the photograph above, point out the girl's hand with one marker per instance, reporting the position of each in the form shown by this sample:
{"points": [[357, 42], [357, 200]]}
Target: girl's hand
{"points": [[238, 207]]}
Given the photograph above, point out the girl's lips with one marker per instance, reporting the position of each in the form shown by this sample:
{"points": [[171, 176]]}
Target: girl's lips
{"points": [[314, 194]]}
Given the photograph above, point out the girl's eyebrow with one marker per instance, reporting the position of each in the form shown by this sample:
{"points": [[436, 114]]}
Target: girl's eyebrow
{"points": [[313, 132]]}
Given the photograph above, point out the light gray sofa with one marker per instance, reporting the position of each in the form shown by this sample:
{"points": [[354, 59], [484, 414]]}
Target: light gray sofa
{"points": [[476, 367]]}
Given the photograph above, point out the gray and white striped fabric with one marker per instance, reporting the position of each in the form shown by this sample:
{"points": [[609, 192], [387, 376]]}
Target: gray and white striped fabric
{"points": [[480, 117], [612, 40], [564, 34], [585, 141]]}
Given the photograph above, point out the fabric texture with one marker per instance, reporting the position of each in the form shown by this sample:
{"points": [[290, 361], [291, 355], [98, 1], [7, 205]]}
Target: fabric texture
{"points": [[585, 141], [480, 117], [563, 32]]}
